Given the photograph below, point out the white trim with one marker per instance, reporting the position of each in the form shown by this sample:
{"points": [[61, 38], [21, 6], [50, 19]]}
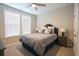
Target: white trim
{"points": [[12, 44]]}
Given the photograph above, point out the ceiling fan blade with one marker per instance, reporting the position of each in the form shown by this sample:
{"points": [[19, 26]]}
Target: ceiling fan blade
{"points": [[36, 8], [39, 4], [29, 6]]}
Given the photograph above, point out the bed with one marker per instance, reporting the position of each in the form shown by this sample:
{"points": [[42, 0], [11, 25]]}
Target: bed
{"points": [[39, 43]]}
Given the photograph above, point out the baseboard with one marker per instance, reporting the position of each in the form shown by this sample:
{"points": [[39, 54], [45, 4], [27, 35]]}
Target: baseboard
{"points": [[12, 44]]}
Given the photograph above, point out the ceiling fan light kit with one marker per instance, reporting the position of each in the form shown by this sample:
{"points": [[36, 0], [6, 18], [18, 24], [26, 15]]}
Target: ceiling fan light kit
{"points": [[33, 5]]}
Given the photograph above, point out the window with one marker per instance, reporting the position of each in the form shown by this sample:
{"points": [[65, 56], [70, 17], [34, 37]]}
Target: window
{"points": [[26, 24], [12, 24]]}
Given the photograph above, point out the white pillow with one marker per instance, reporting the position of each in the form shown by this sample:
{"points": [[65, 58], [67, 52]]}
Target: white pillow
{"points": [[47, 31], [40, 30], [43, 27], [37, 29], [52, 30]]}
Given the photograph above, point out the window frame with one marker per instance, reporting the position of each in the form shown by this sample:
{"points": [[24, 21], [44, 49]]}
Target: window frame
{"points": [[5, 24], [23, 15]]}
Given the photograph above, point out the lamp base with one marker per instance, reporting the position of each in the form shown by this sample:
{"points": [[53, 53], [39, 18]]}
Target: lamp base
{"points": [[62, 33]]}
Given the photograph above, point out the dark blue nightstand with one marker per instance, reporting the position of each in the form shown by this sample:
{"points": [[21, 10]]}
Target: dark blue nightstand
{"points": [[2, 47], [62, 41]]}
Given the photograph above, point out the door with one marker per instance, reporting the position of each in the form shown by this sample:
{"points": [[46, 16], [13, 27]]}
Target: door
{"points": [[76, 28]]}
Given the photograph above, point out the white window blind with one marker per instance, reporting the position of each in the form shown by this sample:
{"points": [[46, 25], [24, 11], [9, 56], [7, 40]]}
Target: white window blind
{"points": [[12, 24], [26, 24]]}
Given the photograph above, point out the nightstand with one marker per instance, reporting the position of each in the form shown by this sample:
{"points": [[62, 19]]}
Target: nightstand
{"points": [[62, 41], [1, 48]]}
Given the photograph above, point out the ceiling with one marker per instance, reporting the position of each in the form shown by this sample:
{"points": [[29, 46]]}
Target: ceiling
{"points": [[41, 10]]}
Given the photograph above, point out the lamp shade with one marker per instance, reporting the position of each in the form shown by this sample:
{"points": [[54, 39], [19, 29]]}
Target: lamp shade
{"points": [[62, 29]]}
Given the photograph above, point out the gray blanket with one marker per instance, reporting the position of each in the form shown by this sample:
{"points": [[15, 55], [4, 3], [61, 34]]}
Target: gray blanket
{"points": [[38, 41]]}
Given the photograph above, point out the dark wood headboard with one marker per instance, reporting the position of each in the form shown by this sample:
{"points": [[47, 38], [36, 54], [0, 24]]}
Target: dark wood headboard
{"points": [[55, 29]]}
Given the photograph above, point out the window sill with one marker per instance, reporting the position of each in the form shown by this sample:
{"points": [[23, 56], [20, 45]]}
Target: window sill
{"points": [[11, 36]]}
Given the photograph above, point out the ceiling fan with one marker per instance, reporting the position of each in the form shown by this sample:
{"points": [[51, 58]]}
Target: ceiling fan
{"points": [[35, 5]]}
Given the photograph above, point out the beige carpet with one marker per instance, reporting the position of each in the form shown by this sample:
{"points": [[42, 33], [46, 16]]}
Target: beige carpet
{"points": [[18, 50]]}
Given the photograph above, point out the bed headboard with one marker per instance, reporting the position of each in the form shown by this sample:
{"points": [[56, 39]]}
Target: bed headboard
{"points": [[55, 28]]}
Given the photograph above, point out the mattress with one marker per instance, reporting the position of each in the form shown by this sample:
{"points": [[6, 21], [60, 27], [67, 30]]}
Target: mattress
{"points": [[38, 41]]}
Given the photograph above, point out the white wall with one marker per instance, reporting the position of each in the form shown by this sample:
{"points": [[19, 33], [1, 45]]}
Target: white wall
{"points": [[76, 29], [1, 23], [62, 17], [11, 40]]}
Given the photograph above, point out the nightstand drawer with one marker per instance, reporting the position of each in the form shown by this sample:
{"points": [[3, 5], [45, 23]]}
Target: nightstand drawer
{"points": [[2, 48], [2, 52], [62, 41]]}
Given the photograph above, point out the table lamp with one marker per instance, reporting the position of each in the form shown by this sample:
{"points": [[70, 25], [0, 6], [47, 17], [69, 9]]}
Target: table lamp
{"points": [[63, 31]]}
